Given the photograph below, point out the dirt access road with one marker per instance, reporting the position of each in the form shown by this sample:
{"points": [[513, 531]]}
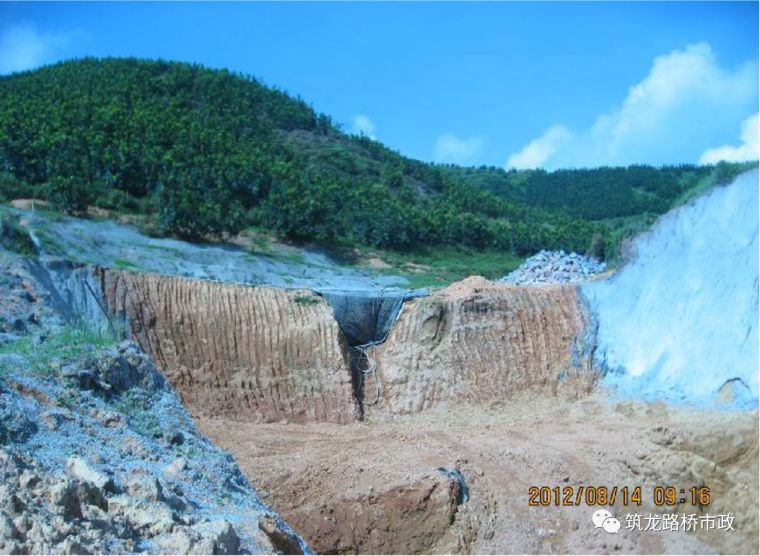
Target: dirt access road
{"points": [[375, 488]]}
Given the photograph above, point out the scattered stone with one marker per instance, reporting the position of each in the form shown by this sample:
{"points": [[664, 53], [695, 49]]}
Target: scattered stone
{"points": [[7, 528], [28, 479], [174, 437], [181, 541], [63, 495], [174, 469], [91, 495], [72, 546], [126, 367], [108, 418], [145, 488], [27, 296], [146, 518], [80, 469], [15, 427], [282, 540], [53, 419], [85, 379], [132, 446]]}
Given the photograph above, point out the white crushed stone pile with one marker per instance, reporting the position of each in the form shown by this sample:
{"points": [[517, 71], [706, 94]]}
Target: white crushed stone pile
{"points": [[555, 267]]}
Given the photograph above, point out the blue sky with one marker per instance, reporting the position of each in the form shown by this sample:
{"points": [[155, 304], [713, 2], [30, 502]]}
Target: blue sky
{"points": [[505, 84]]}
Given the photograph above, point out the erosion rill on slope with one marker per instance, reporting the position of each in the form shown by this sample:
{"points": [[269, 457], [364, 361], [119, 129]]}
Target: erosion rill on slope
{"points": [[245, 353], [478, 341], [268, 354]]}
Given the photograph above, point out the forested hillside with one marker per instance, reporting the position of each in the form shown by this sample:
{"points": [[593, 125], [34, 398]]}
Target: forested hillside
{"points": [[599, 193], [204, 153]]}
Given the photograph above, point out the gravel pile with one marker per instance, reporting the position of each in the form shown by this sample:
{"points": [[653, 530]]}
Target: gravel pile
{"points": [[555, 267]]}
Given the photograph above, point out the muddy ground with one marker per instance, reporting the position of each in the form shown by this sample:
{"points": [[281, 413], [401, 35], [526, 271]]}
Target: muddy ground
{"points": [[375, 487]]}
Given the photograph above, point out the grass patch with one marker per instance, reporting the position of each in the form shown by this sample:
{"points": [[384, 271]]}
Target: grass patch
{"points": [[306, 299], [626, 228], [124, 264], [65, 344], [442, 266], [49, 244], [258, 243]]}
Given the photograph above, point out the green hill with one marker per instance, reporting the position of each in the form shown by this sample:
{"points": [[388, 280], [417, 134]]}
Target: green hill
{"points": [[205, 153]]}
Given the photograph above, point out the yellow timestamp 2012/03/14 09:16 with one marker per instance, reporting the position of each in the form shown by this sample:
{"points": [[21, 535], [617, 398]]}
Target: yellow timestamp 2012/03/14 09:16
{"points": [[627, 496]]}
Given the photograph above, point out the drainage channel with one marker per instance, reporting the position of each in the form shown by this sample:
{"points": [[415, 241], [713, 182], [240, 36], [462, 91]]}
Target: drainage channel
{"points": [[366, 318]]}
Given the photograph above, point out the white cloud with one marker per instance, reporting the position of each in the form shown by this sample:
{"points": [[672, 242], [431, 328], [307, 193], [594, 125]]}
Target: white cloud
{"points": [[24, 47], [538, 151], [748, 150], [451, 149], [685, 105], [362, 125]]}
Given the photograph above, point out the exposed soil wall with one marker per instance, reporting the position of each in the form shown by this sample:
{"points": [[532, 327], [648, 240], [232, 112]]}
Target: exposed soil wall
{"points": [[481, 341], [267, 354], [246, 353]]}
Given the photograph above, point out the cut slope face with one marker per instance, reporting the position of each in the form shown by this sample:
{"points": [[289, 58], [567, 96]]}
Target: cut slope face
{"points": [[265, 354], [680, 321], [481, 341], [246, 353]]}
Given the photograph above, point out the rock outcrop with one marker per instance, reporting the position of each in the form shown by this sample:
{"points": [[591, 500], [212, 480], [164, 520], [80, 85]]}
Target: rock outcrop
{"points": [[680, 320], [97, 455], [246, 353], [481, 341]]}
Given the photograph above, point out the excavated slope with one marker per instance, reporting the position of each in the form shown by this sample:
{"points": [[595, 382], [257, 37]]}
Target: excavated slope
{"points": [[680, 320], [481, 341], [244, 353], [266, 354]]}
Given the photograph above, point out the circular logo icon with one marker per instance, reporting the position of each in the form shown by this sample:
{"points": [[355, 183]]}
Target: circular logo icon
{"points": [[611, 525], [599, 517]]}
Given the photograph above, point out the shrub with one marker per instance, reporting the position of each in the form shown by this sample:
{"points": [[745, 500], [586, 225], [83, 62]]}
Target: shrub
{"points": [[14, 237]]}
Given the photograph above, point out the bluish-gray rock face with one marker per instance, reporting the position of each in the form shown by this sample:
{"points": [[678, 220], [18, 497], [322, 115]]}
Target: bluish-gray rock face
{"points": [[679, 321]]}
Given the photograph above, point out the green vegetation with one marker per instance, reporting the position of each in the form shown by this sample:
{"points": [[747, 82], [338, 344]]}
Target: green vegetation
{"points": [[13, 236], [306, 299], [124, 264], [624, 200], [136, 405], [601, 193], [432, 268], [65, 344], [203, 154], [207, 153]]}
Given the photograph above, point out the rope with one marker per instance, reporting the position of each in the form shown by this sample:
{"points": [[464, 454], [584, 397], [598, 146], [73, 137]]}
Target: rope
{"points": [[371, 369]]}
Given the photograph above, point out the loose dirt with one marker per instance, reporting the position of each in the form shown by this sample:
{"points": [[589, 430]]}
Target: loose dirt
{"points": [[374, 487]]}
